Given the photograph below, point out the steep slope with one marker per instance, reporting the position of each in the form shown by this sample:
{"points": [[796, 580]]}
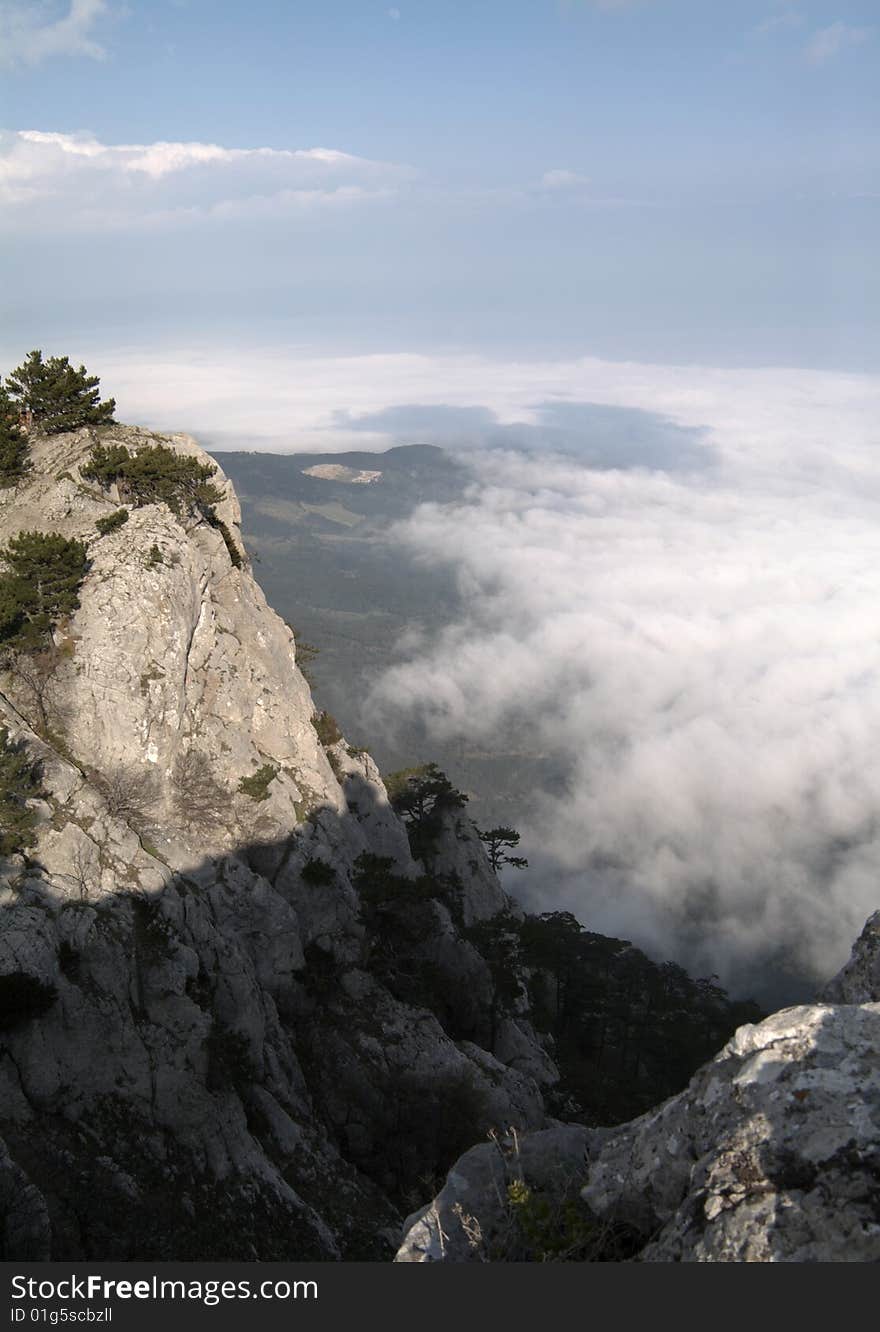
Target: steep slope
{"points": [[194, 1024]]}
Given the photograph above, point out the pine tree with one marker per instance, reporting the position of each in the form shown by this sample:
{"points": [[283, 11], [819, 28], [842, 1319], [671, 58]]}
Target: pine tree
{"points": [[18, 784], [13, 444], [498, 842], [420, 795], [41, 584], [53, 397], [154, 475]]}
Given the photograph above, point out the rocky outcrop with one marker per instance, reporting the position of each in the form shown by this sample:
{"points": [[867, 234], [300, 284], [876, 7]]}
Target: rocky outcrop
{"points": [[192, 1020], [858, 982], [771, 1154]]}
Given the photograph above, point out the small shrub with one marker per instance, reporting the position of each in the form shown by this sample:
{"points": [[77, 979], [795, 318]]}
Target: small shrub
{"points": [[198, 796], [327, 728], [154, 557], [257, 785], [318, 874], [129, 790], [112, 522]]}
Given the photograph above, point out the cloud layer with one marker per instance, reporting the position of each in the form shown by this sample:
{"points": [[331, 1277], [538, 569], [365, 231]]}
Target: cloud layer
{"points": [[58, 181], [699, 647]]}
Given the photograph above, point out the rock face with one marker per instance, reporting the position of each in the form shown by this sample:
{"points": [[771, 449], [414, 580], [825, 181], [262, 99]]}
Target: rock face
{"points": [[859, 981], [192, 1020], [772, 1153]]}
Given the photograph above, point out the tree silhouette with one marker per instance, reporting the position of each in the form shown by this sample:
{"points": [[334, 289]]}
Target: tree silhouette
{"points": [[498, 842]]}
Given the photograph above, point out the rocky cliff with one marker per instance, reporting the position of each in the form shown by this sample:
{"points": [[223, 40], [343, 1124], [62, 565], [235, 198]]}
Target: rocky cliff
{"points": [[202, 1052], [771, 1154]]}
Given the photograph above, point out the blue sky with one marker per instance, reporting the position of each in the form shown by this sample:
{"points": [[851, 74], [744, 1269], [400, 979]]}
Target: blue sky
{"points": [[659, 180]]}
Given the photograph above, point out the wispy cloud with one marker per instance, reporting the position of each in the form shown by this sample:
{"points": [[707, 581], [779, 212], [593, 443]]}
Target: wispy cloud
{"points": [[826, 43], [31, 31], [783, 19], [561, 178], [98, 185]]}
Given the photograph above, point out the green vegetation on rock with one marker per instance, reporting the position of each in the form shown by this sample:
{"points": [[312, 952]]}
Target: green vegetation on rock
{"points": [[19, 783], [14, 450], [112, 521], [421, 796], [52, 396], [257, 785], [327, 729], [155, 474], [39, 586]]}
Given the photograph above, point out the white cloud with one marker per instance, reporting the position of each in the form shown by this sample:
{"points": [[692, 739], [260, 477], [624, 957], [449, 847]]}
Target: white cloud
{"points": [[828, 42], [30, 34], [701, 649], [562, 179], [50, 179]]}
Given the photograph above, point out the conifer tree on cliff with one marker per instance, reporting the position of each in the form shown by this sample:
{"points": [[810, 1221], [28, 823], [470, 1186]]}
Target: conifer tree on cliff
{"points": [[13, 444], [51, 396]]}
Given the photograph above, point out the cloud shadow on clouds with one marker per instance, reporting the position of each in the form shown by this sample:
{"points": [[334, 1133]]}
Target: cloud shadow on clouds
{"points": [[597, 436]]}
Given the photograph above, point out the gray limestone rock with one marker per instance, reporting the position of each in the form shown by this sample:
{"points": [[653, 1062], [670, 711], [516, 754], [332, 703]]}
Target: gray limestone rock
{"points": [[771, 1154], [191, 1024], [858, 982]]}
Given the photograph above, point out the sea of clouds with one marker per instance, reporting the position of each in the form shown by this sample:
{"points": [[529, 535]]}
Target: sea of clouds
{"points": [[692, 628]]}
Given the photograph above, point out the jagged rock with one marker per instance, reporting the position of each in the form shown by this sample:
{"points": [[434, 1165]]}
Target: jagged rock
{"points": [[771, 1154], [460, 858], [191, 1026], [859, 981]]}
